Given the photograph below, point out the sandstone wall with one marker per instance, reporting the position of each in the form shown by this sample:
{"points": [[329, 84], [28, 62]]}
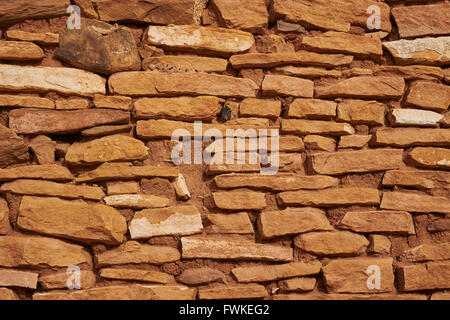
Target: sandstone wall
{"points": [[359, 208]]}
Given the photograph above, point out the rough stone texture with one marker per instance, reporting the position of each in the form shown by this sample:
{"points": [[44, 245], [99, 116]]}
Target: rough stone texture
{"points": [[312, 109], [12, 148], [61, 122], [52, 189], [132, 292], [133, 252], [276, 272], [280, 182], [252, 291], [432, 20], [319, 143], [414, 118], [317, 15], [265, 108], [5, 226], [187, 63], [427, 51], [45, 172], [341, 42], [238, 223], [356, 141], [44, 38], [136, 201], [292, 221], [99, 47], [107, 149], [240, 200], [181, 220], [427, 253], [44, 149], [28, 9], [15, 278], [431, 275], [20, 51], [8, 294], [137, 275], [76, 220], [330, 197], [415, 202], [364, 87], [420, 179], [361, 112], [429, 95], [154, 12], [413, 72], [26, 251], [59, 280], [200, 276], [182, 108], [409, 137], [357, 161], [437, 158], [118, 171], [287, 86], [44, 79], [301, 127], [252, 17], [25, 102], [332, 243], [297, 284], [379, 244], [396, 222], [351, 276], [219, 41], [176, 84], [213, 247]]}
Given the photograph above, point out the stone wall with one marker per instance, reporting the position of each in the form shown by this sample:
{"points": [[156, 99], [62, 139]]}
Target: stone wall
{"points": [[358, 208]]}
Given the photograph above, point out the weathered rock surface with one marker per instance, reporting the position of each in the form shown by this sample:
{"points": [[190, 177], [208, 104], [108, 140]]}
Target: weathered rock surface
{"points": [[44, 79], [307, 72], [111, 148], [429, 95], [427, 51], [379, 244], [25, 102], [330, 197], [414, 118], [59, 280], [153, 12], [275, 272], [252, 291], [409, 137], [61, 122], [45, 172], [185, 62], [8, 294], [12, 148], [415, 202], [361, 112], [177, 84], [136, 201], [182, 108], [237, 223], [16, 278], [52, 189], [297, 284], [351, 275], [213, 247], [302, 127], [200, 276], [21, 251], [252, 18], [419, 21], [125, 171], [20, 51], [266, 108], [136, 275], [132, 252], [180, 220], [240, 200], [5, 226], [133, 292], [420, 179], [346, 43], [413, 72], [28, 9], [45, 38], [427, 252], [426, 276], [355, 141], [396, 222], [76, 220], [433, 158], [292, 221], [357, 161], [44, 149], [364, 87], [317, 15], [269, 60], [219, 41], [331, 243], [312, 109], [99, 47]]}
